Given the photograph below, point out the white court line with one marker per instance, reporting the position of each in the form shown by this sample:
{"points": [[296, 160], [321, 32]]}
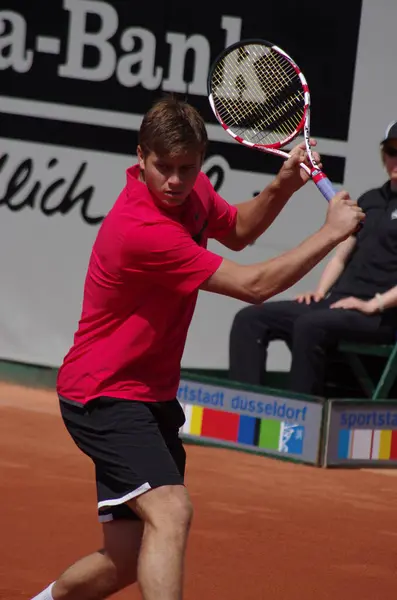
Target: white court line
{"points": [[122, 120]]}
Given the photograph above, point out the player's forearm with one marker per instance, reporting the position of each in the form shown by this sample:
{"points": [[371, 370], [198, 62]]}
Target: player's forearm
{"points": [[255, 216], [276, 275]]}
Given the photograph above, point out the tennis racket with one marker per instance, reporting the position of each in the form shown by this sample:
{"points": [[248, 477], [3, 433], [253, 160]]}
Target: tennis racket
{"points": [[261, 98]]}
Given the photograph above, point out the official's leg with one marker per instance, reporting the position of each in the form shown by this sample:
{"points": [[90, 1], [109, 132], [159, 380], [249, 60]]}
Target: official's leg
{"points": [[317, 334], [253, 328]]}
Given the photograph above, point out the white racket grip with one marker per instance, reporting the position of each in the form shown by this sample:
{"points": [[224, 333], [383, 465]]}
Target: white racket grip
{"points": [[323, 184]]}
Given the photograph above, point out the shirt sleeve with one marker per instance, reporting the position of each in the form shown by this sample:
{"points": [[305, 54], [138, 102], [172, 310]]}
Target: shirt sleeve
{"points": [[222, 217], [166, 255]]}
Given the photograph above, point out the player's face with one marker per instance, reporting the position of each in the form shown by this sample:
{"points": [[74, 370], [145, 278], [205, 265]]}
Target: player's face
{"points": [[170, 179], [390, 161]]}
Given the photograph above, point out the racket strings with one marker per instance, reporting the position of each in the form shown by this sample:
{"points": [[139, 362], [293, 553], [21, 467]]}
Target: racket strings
{"points": [[258, 94], [235, 83], [281, 98], [276, 83], [273, 87], [288, 94]]}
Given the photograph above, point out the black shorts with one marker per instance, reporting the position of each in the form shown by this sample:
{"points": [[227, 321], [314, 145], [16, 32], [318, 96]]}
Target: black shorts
{"points": [[135, 447]]}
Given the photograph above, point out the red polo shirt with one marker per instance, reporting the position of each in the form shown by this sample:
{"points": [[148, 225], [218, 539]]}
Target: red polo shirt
{"points": [[145, 269]]}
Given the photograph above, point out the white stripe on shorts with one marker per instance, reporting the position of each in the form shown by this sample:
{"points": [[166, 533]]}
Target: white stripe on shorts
{"points": [[145, 487]]}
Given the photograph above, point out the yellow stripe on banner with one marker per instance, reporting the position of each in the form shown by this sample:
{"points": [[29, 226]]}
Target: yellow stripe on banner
{"points": [[385, 445], [196, 420]]}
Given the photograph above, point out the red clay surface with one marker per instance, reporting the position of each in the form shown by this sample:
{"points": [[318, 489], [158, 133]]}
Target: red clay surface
{"points": [[263, 529]]}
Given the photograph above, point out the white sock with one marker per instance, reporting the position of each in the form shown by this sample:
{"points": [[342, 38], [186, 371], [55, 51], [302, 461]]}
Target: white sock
{"points": [[45, 594]]}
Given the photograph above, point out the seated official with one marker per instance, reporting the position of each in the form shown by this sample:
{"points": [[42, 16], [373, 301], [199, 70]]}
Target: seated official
{"points": [[355, 300]]}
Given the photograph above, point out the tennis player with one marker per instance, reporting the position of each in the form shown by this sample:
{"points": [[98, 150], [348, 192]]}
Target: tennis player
{"points": [[118, 382]]}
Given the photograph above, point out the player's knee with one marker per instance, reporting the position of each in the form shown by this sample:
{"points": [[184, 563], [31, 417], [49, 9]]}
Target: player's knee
{"points": [[178, 513], [170, 508], [183, 512]]}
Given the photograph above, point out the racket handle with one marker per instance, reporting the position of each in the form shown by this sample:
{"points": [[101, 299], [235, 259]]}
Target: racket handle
{"points": [[327, 189], [323, 184]]}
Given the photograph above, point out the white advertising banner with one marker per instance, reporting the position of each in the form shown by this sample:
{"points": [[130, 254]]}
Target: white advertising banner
{"points": [[74, 88]]}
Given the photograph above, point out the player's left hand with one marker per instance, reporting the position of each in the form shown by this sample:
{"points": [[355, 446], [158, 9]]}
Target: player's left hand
{"points": [[368, 307], [291, 174]]}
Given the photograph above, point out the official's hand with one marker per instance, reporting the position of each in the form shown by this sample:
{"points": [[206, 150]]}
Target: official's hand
{"points": [[309, 297], [368, 307]]}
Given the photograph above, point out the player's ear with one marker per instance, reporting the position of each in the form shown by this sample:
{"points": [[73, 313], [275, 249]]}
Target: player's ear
{"points": [[141, 159]]}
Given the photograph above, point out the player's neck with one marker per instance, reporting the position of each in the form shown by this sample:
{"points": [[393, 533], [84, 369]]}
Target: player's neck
{"points": [[393, 186]]}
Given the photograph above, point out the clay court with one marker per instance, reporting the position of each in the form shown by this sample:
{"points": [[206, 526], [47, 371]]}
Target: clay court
{"points": [[262, 528]]}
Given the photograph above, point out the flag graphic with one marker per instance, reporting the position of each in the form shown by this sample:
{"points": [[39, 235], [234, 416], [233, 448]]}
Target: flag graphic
{"points": [[267, 434], [367, 444]]}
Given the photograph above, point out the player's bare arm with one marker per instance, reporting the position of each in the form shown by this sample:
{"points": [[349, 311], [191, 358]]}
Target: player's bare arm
{"points": [[268, 128], [256, 283], [255, 216]]}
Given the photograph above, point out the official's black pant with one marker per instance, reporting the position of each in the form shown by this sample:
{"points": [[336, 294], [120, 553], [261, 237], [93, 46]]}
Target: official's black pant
{"points": [[312, 332]]}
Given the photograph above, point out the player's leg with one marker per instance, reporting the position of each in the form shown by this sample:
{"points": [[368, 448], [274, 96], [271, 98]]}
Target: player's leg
{"points": [[253, 328], [151, 462], [106, 571], [167, 513], [317, 334], [131, 457]]}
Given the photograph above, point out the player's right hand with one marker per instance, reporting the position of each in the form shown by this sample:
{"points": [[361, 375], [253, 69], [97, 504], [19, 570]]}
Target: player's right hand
{"points": [[344, 216]]}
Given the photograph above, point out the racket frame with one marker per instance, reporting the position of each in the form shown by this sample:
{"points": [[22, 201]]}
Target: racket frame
{"points": [[319, 178]]}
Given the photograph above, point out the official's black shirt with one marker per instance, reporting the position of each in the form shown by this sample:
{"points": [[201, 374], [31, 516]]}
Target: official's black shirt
{"points": [[372, 266]]}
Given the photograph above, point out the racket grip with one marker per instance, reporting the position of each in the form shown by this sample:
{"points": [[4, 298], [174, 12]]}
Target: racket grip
{"points": [[324, 185], [327, 189]]}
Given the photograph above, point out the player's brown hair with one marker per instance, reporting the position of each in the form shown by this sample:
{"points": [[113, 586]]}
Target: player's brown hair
{"points": [[172, 126]]}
